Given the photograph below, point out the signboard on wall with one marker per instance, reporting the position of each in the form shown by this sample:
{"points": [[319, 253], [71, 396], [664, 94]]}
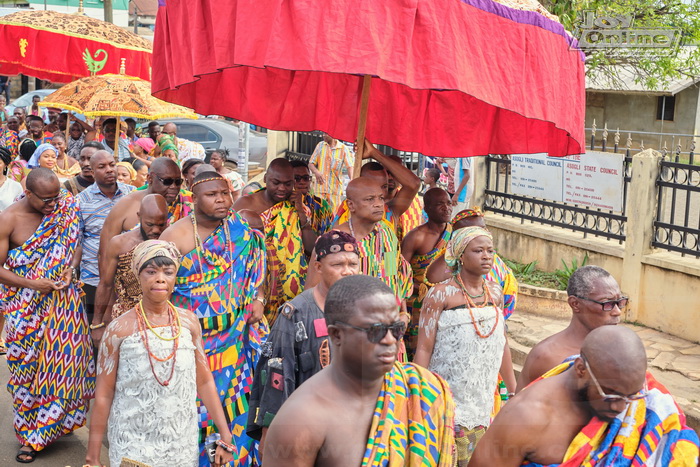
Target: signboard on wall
{"points": [[594, 179]]}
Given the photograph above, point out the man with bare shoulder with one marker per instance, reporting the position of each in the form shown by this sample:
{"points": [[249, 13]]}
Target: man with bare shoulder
{"points": [[289, 233], [420, 247], [47, 330], [603, 408], [116, 271], [338, 416], [164, 178], [595, 300]]}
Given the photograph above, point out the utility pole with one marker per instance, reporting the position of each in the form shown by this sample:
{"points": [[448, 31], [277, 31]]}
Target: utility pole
{"points": [[136, 18], [108, 11]]}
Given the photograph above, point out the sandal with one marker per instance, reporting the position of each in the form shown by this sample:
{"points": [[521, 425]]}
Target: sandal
{"points": [[26, 457]]}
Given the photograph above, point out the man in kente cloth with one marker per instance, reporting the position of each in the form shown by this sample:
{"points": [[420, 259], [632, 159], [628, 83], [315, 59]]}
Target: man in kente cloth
{"points": [[298, 346], [321, 210], [420, 247], [116, 274], [52, 374], [289, 234], [397, 202], [221, 272], [601, 409], [364, 408]]}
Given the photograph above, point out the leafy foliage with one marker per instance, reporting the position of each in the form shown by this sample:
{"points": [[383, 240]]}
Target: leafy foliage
{"points": [[563, 275]]}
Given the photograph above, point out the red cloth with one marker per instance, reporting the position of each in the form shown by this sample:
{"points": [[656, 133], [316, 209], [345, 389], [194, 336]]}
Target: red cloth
{"points": [[458, 77]]}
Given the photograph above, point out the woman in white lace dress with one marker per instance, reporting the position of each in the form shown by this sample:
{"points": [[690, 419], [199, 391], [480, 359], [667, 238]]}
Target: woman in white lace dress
{"points": [[461, 334], [150, 369]]}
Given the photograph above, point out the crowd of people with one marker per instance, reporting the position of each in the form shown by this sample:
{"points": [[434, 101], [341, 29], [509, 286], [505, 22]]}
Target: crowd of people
{"points": [[303, 323]]}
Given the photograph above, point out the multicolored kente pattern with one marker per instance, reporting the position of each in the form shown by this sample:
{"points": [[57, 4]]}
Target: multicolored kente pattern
{"points": [[380, 257], [286, 260], [330, 162], [419, 265], [412, 218], [321, 214], [182, 207], [10, 140], [413, 420], [501, 274], [219, 285], [652, 431], [52, 373]]}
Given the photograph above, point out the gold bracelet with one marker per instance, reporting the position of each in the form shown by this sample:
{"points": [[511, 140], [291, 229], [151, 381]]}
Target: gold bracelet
{"points": [[405, 313], [96, 326]]}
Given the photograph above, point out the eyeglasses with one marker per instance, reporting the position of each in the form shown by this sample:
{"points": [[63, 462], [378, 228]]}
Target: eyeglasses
{"points": [[376, 332], [615, 397], [170, 181], [305, 178], [47, 200], [610, 304]]}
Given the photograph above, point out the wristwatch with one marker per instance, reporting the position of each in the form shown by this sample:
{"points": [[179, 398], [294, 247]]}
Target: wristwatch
{"points": [[262, 300]]}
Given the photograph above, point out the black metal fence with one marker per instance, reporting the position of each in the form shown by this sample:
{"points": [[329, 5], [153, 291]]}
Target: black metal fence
{"points": [[597, 222], [677, 224]]}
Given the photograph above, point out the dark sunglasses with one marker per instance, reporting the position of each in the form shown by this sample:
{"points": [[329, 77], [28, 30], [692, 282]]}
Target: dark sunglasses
{"points": [[170, 181], [376, 332], [47, 200], [299, 178], [610, 304]]}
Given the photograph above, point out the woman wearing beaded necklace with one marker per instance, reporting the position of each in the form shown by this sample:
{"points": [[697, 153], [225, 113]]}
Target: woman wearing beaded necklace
{"points": [[151, 368], [461, 334]]}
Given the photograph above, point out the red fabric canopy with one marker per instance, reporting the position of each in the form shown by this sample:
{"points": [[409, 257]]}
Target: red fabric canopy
{"points": [[63, 47], [452, 78]]}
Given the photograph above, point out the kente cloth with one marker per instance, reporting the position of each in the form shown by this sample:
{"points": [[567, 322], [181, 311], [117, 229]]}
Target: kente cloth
{"points": [[321, 214], [380, 257], [342, 215], [412, 423], [18, 170], [501, 274], [126, 285], [10, 140], [330, 161], [52, 373], [218, 283], [181, 207], [297, 348], [419, 265], [650, 432], [286, 260], [189, 149], [409, 220], [465, 443]]}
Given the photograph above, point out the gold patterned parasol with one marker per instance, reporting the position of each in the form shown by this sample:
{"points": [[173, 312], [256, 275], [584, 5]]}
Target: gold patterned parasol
{"points": [[114, 95]]}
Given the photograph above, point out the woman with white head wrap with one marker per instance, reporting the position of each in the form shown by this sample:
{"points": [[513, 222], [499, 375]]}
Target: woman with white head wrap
{"points": [[461, 334], [151, 369]]}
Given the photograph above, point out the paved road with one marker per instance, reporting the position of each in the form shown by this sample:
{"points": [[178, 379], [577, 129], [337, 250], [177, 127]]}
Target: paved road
{"points": [[67, 451]]}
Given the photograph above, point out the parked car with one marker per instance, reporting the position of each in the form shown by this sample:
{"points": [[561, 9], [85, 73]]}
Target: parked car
{"points": [[219, 134], [25, 100]]}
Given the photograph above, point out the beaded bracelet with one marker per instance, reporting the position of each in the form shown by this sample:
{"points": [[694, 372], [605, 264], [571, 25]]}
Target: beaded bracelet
{"points": [[230, 448]]}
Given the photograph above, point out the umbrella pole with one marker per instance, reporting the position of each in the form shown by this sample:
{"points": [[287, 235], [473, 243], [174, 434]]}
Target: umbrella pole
{"points": [[362, 125], [68, 123]]}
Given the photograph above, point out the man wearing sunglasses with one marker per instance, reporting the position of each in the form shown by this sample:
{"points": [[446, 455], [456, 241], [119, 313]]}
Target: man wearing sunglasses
{"points": [[406, 410], [595, 300], [298, 346], [603, 408], [321, 211]]}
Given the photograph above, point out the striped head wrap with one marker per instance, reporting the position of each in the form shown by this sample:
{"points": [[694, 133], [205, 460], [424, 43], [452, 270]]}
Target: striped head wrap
{"points": [[467, 213], [151, 249], [458, 243]]}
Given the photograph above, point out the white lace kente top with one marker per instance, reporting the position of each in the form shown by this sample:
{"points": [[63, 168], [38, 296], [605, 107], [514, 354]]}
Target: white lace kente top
{"points": [[150, 423], [469, 363]]}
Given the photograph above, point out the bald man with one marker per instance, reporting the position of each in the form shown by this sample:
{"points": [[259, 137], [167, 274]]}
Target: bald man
{"points": [[165, 179], [186, 149], [595, 300], [380, 252], [116, 269], [397, 202], [605, 400], [289, 233]]}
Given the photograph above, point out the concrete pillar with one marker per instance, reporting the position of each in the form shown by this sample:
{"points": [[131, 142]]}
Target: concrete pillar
{"points": [[641, 211], [277, 144], [479, 175]]}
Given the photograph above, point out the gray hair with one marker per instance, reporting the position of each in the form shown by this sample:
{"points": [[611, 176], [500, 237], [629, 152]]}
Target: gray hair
{"points": [[581, 281]]}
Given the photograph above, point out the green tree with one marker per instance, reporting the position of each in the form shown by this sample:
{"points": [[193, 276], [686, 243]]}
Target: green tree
{"points": [[651, 67]]}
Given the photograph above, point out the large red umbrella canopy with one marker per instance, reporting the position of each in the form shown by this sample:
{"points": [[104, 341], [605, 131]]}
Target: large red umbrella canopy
{"points": [[63, 47], [451, 78]]}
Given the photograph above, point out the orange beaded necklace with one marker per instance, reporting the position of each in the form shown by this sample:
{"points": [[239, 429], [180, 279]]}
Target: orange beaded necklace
{"points": [[470, 304]]}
